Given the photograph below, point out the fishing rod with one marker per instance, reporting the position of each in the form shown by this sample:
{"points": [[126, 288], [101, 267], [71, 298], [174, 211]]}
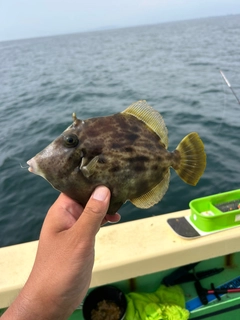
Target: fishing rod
{"points": [[229, 85], [224, 290], [203, 292]]}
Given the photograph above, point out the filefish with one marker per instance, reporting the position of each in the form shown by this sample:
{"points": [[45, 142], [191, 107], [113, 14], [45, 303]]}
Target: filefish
{"points": [[126, 152]]}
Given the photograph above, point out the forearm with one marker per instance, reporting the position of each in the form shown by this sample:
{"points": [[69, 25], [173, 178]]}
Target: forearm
{"points": [[62, 270], [29, 306]]}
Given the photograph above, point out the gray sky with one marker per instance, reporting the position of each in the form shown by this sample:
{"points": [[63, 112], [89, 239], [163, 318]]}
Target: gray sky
{"points": [[34, 18]]}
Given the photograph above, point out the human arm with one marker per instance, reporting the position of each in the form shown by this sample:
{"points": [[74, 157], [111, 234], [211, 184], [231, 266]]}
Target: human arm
{"points": [[63, 266]]}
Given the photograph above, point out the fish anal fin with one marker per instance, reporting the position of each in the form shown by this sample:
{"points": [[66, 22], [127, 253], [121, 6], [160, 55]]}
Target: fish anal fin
{"points": [[191, 159], [88, 170], [153, 196], [152, 118]]}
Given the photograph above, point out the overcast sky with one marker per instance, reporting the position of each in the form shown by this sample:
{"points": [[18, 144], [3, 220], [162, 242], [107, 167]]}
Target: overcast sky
{"points": [[34, 18]]}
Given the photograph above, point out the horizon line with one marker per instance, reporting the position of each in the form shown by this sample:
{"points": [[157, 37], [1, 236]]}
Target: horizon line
{"points": [[108, 28]]}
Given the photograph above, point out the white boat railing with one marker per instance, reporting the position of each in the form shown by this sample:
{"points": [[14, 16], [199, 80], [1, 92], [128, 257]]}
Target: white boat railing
{"points": [[123, 251]]}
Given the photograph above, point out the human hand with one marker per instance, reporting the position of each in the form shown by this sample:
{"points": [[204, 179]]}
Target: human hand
{"points": [[62, 270]]}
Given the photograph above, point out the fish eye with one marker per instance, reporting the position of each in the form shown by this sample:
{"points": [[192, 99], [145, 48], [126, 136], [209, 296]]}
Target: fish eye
{"points": [[70, 141]]}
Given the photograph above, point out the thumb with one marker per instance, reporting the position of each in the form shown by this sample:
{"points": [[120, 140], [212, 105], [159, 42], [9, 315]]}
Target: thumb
{"points": [[95, 210]]}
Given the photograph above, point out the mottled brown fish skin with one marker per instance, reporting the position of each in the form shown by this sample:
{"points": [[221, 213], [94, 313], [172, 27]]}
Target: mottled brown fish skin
{"points": [[127, 152], [132, 159]]}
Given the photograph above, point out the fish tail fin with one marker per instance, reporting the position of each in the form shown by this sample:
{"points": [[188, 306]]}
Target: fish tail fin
{"points": [[190, 159]]}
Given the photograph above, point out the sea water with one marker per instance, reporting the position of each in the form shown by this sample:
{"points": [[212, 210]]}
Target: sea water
{"points": [[174, 66]]}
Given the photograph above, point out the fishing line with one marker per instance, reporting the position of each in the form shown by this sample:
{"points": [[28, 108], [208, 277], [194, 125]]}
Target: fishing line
{"points": [[227, 100], [226, 81], [23, 166], [223, 112]]}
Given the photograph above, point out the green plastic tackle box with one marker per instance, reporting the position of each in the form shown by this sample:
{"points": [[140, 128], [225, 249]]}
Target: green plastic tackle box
{"points": [[216, 212]]}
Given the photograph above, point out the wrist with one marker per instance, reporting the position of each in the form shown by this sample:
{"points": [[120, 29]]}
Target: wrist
{"points": [[32, 305]]}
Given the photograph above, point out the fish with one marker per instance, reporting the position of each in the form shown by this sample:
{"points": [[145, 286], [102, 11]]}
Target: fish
{"points": [[126, 152]]}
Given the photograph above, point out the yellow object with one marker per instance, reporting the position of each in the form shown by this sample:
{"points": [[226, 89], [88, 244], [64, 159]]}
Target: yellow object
{"points": [[167, 303]]}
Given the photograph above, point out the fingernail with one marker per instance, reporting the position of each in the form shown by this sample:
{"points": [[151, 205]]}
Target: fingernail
{"points": [[100, 193]]}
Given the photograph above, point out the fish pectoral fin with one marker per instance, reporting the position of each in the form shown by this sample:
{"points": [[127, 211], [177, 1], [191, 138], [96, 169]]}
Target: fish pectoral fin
{"points": [[152, 118], [153, 196], [88, 170]]}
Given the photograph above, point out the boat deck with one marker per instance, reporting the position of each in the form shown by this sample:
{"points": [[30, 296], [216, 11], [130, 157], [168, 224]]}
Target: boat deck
{"points": [[124, 251]]}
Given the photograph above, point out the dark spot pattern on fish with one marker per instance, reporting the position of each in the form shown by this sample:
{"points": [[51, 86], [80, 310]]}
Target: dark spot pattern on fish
{"points": [[135, 129], [125, 152], [139, 167], [114, 169], [96, 151], [131, 137], [154, 167], [102, 159], [138, 159], [141, 158], [116, 145]]}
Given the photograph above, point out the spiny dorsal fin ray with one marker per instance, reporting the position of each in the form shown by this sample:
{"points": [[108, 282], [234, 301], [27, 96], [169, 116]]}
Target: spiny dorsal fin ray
{"points": [[152, 118], [153, 196], [192, 159]]}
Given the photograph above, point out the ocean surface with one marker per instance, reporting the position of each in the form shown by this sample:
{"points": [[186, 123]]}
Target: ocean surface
{"points": [[174, 66]]}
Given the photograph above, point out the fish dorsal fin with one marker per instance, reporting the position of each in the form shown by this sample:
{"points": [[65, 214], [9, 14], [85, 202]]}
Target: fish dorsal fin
{"points": [[152, 118], [153, 196], [88, 170]]}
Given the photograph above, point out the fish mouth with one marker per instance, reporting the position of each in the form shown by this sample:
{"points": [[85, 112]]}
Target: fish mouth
{"points": [[29, 168], [32, 165]]}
